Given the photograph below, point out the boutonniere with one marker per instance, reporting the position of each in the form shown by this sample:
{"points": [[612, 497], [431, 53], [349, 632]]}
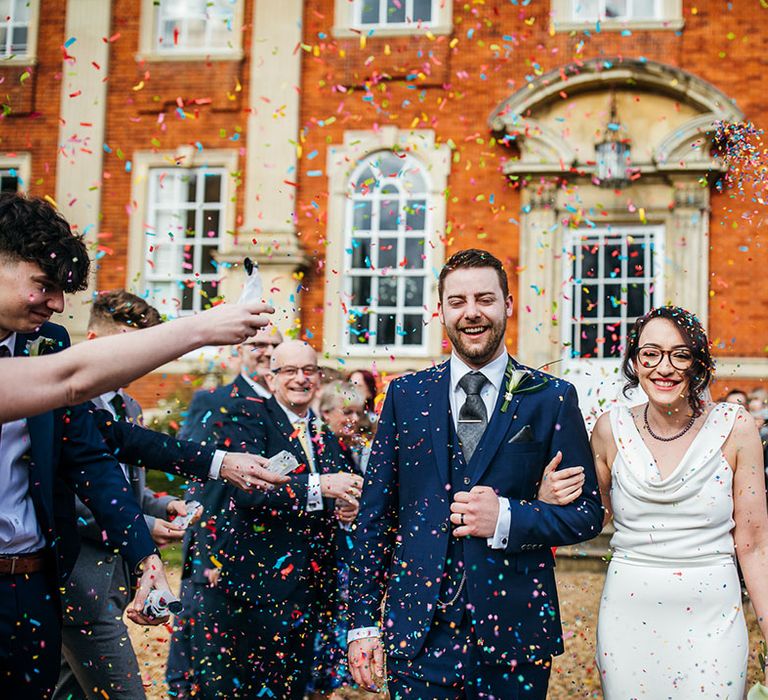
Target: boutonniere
{"points": [[518, 381], [40, 346]]}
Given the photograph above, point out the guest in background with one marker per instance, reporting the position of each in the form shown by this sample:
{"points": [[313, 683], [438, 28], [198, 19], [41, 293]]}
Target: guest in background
{"points": [[736, 396]]}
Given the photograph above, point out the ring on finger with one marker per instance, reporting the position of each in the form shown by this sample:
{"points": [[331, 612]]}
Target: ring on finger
{"points": [[462, 518]]}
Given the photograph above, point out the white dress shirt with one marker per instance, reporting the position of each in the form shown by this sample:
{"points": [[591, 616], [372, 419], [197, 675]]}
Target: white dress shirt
{"points": [[258, 389], [314, 492], [19, 530]]}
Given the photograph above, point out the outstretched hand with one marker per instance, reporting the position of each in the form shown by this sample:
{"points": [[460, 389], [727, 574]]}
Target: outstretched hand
{"points": [[560, 487], [248, 472]]}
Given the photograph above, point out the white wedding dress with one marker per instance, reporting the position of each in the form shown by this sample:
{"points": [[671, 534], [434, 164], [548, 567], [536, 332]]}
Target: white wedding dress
{"points": [[671, 623]]}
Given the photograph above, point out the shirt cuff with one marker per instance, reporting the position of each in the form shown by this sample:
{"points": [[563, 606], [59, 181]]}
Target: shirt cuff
{"points": [[503, 523], [215, 468], [314, 494], [362, 633]]}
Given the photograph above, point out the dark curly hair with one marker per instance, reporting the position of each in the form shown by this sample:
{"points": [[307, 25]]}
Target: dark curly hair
{"points": [[33, 231], [124, 308], [699, 374]]}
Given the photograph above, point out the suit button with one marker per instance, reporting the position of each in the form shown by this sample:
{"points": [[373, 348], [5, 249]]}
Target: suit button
{"points": [[443, 527], [467, 481]]}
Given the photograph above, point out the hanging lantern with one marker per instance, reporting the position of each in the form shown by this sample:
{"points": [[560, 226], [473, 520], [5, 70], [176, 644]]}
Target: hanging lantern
{"points": [[613, 154]]}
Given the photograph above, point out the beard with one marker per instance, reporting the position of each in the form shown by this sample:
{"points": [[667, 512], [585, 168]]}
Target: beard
{"points": [[477, 354]]}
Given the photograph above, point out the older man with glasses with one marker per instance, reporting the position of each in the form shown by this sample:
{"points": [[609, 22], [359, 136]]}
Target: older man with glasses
{"points": [[278, 556]]}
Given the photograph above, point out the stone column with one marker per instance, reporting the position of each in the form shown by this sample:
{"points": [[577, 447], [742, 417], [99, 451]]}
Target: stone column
{"points": [[268, 233], [81, 148]]}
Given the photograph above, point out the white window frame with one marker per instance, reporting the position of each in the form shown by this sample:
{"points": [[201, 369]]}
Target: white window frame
{"points": [[572, 240], [341, 163], [669, 17], [401, 234], [184, 158], [347, 21], [29, 57], [149, 49], [21, 164]]}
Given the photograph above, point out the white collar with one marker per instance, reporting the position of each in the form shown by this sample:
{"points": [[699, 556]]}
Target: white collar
{"points": [[493, 371], [294, 418], [260, 390], [10, 342]]}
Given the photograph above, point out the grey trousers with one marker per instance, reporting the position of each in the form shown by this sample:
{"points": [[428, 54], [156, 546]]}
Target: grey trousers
{"points": [[97, 659]]}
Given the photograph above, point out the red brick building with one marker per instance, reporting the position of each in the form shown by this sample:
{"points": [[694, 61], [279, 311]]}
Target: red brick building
{"points": [[351, 145]]}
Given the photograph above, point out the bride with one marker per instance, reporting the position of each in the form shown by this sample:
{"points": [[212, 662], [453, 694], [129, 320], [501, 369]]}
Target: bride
{"points": [[683, 480]]}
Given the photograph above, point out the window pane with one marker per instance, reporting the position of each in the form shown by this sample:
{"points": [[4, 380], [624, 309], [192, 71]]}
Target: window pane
{"points": [[387, 252], [194, 37], [187, 297], [413, 329], [362, 216], [414, 291], [190, 228], [370, 11], [644, 9], [589, 262], [189, 183], [612, 301], [636, 301], [389, 214], [615, 9], [359, 333], [21, 11], [636, 261], [169, 34], [585, 9], [168, 226], [8, 182], [387, 291], [361, 253], [395, 11], [612, 260], [208, 263], [589, 301], [612, 344], [209, 291], [361, 291], [414, 253], [19, 40], [385, 329], [187, 260], [211, 224], [415, 215], [212, 188], [422, 10], [588, 341]]}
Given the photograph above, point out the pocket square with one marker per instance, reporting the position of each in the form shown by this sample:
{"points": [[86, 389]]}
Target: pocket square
{"points": [[525, 434]]}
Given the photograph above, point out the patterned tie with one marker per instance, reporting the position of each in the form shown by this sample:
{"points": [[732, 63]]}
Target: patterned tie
{"points": [[301, 433], [118, 406], [473, 417]]}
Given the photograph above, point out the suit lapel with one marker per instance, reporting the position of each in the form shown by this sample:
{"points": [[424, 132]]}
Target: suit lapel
{"points": [[285, 428], [498, 426], [439, 416]]}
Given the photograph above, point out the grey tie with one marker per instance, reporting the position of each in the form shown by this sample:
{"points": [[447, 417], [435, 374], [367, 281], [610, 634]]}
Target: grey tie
{"points": [[473, 418]]}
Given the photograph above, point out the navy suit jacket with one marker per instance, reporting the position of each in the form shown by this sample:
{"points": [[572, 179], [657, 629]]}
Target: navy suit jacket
{"points": [[403, 531], [67, 454], [276, 549]]}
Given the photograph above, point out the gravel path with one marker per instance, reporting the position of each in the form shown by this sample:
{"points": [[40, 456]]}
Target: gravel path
{"points": [[573, 674]]}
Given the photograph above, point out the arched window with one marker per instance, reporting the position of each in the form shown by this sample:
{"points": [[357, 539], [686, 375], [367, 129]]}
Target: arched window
{"points": [[386, 257]]}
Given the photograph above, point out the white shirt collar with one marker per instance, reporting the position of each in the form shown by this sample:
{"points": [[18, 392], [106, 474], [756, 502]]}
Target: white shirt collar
{"points": [[493, 371], [260, 390], [10, 342], [294, 417]]}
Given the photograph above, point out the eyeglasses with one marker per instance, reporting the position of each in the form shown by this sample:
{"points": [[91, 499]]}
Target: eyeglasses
{"points": [[650, 356], [309, 371], [260, 347]]}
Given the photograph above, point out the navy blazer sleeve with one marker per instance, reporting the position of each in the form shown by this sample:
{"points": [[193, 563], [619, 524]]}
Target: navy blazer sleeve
{"points": [[96, 477], [374, 537], [539, 524], [140, 446]]}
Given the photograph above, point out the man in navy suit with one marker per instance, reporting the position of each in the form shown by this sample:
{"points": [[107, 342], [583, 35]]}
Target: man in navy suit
{"points": [[209, 412], [449, 526], [278, 554], [45, 457]]}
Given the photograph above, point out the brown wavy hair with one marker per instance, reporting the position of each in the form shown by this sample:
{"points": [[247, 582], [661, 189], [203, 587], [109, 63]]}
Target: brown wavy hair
{"points": [[699, 374]]}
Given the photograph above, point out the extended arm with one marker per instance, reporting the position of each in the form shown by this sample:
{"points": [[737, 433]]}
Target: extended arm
{"points": [[29, 386], [535, 523], [745, 453]]}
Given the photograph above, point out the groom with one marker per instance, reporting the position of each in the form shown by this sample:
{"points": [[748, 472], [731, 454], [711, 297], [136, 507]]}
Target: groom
{"points": [[449, 527]]}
